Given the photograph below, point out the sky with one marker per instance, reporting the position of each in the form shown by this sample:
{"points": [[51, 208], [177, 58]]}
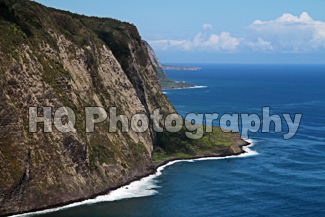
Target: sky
{"points": [[214, 31]]}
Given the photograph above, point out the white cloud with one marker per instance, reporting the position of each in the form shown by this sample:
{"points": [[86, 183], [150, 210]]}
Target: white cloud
{"points": [[287, 33], [165, 44], [223, 42], [260, 45], [201, 42], [207, 26], [290, 33]]}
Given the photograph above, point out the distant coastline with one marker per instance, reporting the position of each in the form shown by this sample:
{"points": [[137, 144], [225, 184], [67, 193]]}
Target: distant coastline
{"points": [[172, 67], [185, 87], [165, 82]]}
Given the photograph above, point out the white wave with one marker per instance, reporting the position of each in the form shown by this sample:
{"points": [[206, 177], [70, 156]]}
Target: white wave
{"points": [[143, 187], [189, 87], [183, 88], [165, 93], [248, 152], [199, 87]]}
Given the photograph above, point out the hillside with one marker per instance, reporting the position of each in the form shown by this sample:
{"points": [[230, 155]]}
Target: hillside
{"points": [[54, 58], [165, 81]]}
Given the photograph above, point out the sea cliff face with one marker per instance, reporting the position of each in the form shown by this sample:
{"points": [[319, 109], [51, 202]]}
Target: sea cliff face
{"points": [[53, 58], [165, 81]]}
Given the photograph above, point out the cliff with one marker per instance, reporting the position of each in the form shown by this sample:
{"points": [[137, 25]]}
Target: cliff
{"points": [[165, 81], [56, 58]]}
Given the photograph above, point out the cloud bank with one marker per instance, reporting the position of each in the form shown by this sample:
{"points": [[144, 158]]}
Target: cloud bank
{"points": [[202, 41], [285, 34]]}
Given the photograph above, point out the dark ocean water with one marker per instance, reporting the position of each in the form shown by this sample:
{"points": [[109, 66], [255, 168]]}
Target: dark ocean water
{"points": [[285, 178]]}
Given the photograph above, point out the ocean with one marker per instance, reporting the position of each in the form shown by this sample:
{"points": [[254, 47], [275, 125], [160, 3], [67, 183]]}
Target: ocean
{"points": [[276, 177]]}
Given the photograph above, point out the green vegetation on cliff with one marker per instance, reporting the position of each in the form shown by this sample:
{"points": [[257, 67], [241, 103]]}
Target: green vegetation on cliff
{"points": [[55, 58], [178, 145]]}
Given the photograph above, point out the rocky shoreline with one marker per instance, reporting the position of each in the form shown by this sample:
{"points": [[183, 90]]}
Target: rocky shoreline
{"points": [[59, 59], [184, 87], [207, 155], [226, 153]]}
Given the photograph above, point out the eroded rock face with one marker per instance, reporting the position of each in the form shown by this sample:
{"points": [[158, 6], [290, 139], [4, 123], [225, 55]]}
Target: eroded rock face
{"points": [[47, 66], [165, 81], [53, 58]]}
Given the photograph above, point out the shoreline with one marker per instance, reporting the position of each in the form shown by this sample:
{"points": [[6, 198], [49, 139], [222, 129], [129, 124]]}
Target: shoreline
{"points": [[208, 155], [158, 166], [185, 88]]}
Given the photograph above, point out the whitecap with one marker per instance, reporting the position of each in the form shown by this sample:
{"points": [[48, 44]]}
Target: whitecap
{"points": [[141, 188], [199, 87], [189, 87]]}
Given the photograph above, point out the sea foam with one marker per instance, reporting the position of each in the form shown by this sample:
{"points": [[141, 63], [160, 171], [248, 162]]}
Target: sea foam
{"points": [[183, 88], [144, 187], [193, 87]]}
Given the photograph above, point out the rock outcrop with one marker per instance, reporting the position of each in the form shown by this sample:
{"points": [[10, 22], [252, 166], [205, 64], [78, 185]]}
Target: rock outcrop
{"points": [[53, 58], [165, 81]]}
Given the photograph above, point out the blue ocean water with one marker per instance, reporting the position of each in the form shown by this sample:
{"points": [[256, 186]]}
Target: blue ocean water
{"points": [[285, 178]]}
